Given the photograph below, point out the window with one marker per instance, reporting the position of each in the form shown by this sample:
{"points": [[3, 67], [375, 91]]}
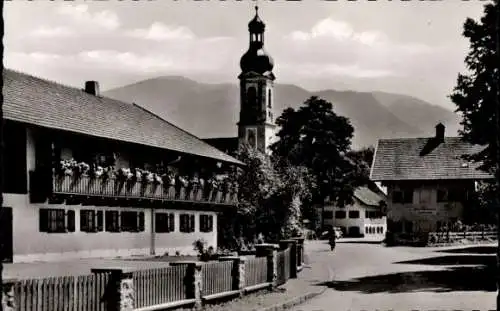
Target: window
{"points": [[206, 223], [164, 222], [402, 196], [269, 105], [408, 225], [91, 221], [112, 221], [424, 196], [132, 221], [327, 215], [340, 214], [442, 195], [88, 221], [456, 195], [353, 214], [186, 223], [56, 220]]}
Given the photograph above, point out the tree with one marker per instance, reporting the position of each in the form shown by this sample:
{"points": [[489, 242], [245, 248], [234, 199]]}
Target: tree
{"points": [[269, 200], [364, 158], [476, 92], [316, 138], [477, 95]]}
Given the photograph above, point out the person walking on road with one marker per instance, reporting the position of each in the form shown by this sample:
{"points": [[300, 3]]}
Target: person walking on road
{"points": [[332, 239]]}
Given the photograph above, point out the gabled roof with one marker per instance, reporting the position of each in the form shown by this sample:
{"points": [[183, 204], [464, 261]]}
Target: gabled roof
{"points": [[424, 159], [49, 104], [367, 196], [226, 144]]}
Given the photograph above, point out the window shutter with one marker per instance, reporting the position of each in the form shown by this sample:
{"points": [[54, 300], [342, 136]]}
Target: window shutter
{"points": [[202, 223], [71, 221], [191, 224], [211, 223], [171, 219], [99, 221], [43, 220], [182, 219], [141, 221]]}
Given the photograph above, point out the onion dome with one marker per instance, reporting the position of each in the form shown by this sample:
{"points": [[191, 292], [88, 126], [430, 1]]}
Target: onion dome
{"points": [[256, 59]]}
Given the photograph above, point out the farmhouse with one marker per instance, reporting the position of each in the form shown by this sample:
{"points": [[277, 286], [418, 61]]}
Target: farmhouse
{"points": [[89, 176], [362, 218], [429, 182]]}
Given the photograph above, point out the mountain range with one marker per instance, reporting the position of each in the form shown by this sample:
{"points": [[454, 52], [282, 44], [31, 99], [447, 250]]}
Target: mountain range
{"points": [[212, 110]]}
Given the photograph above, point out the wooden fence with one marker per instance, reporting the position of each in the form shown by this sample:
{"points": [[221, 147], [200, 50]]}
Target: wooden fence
{"points": [[255, 271], [217, 277], [159, 286], [439, 237], [68, 293], [283, 263], [151, 289]]}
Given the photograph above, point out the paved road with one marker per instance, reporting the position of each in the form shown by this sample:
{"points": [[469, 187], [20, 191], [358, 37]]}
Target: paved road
{"points": [[369, 277]]}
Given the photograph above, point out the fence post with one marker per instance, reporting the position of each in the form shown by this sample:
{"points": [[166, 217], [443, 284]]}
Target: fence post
{"points": [[300, 252], [193, 281], [270, 252], [238, 272], [120, 293], [284, 244], [8, 302]]}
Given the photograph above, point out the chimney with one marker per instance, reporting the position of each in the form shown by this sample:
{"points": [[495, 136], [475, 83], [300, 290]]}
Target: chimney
{"points": [[92, 87], [440, 132]]}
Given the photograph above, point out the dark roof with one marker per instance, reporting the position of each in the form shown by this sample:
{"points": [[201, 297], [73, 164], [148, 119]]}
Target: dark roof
{"points": [[367, 196], [226, 144], [49, 104], [424, 159]]}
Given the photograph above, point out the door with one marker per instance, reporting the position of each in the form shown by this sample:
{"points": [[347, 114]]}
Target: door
{"points": [[6, 235]]}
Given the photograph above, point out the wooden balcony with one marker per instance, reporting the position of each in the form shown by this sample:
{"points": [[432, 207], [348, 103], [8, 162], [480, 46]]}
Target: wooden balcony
{"points": [[129, 189]]}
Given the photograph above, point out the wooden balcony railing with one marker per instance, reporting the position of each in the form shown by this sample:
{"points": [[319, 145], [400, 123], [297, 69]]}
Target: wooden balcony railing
{"points": [[118, 188]]}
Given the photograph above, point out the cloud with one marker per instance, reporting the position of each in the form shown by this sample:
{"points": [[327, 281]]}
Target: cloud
{"points": [[52, 32], [335, 48], [340, 31], [160, 32], [80, 14], [312, 70]]}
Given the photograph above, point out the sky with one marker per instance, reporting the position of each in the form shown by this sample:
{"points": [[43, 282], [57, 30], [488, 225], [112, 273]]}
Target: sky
{"points": [[414, 48]]}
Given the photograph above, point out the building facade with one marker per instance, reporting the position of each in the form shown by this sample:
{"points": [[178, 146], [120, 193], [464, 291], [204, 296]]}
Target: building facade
{"points": [[363, 218], [89, 176], [429, 181]]}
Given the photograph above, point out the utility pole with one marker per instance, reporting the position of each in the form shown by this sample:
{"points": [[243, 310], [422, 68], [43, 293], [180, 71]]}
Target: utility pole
{"points": [[1, 162], [496, 75]]}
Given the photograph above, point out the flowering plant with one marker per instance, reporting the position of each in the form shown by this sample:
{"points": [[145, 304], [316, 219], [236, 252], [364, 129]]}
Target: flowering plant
{"points": [[169, 179], [147, 176], [183, 180], [67, 167], [109, 172], [99, 171], [125, 173], [82, 168], [157, 179]]}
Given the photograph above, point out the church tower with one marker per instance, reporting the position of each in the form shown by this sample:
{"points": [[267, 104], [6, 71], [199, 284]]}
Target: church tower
{"points": [[256, 126]]}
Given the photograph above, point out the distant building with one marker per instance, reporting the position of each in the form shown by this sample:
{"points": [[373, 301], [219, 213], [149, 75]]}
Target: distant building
{"points": [[89, 176], [428, 181], [365, 217], [256, 122]]}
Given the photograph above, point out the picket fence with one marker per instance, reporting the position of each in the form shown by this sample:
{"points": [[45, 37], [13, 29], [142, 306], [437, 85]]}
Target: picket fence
{"points": [[152, 287]]}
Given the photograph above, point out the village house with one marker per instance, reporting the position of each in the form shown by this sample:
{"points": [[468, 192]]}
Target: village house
{"points": [[429, 182], [364, 217], [89, 176]]}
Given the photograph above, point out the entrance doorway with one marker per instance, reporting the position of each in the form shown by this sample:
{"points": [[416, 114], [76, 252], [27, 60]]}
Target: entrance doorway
{"points": [[6, 235]]}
